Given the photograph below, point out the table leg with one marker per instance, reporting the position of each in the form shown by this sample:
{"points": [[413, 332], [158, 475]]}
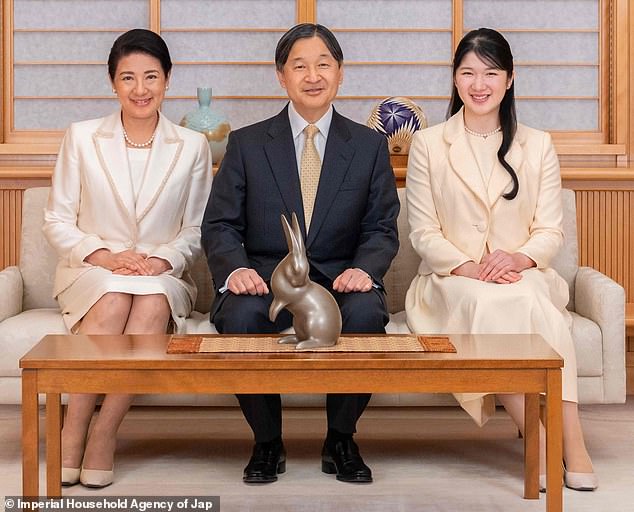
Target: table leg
{"points": [[53, 445], [30, 435], [554, 453], [531, 446]]}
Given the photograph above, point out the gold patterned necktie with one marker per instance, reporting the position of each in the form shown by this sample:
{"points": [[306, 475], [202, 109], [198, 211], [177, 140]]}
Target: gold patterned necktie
{"points": [[310, 170]]}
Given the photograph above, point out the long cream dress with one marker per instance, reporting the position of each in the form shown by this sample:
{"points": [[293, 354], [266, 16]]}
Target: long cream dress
{"points": [[151, 201], [456, 215]]}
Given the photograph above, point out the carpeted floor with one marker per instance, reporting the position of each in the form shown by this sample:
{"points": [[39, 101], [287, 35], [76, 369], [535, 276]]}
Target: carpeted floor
{"points": [[423, 459]]}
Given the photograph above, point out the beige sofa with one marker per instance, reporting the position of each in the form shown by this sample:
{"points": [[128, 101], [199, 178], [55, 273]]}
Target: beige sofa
{"points": [[28, 312]]}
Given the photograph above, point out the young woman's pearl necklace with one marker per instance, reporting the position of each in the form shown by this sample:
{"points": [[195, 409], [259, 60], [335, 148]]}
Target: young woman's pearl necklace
{"points": [[483, 135], [134, 144]]}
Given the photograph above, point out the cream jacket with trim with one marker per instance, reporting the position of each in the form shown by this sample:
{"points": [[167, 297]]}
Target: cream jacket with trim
{"points": [[92, 205], [452, 218]]}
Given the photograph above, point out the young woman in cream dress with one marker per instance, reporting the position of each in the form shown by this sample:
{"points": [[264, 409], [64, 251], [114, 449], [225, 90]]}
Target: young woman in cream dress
{"points": [[485, 215]]}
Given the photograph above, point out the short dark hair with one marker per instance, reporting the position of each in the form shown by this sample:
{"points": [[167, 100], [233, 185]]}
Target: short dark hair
{"points": [[139, 40], [303, 31], [491, 47]]}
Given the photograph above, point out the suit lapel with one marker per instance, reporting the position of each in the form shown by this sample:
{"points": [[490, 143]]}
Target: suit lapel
{"points": [[461, 158], [280, 152], [337, 158], [110, 149], [164, 155]]}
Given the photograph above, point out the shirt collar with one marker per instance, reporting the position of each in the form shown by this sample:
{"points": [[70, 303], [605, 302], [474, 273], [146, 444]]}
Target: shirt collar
{"points": [[298, 123]]}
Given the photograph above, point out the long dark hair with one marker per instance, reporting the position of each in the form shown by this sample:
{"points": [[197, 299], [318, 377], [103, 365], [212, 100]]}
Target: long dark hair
{"points": [[491, 47]]}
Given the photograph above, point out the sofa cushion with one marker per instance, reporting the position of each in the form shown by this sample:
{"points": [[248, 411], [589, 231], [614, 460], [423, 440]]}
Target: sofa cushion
{"points": [[397, 324], [404, 266], [201, 276], [37, 258], [566, 262], [588, 346], [20, 333], [198, 323], [12, 287]]}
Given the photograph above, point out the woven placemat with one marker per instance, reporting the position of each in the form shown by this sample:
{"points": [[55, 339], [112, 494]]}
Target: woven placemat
{"points": [[389, 343]]}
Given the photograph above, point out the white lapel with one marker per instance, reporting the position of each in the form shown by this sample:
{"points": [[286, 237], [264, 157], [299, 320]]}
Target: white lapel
{"points": [[166, 150], [461, 158], [111, 153]]}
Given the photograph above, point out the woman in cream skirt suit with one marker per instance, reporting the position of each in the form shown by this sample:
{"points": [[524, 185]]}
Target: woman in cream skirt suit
{"points": [[124, 214], [485, 215]]}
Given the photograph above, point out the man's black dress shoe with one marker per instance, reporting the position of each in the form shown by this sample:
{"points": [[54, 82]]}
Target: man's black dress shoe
{"points": [[267, 461], [342, 457]]}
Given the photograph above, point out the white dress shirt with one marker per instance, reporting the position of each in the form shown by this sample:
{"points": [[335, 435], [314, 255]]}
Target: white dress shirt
{"points": [[298, 123]]}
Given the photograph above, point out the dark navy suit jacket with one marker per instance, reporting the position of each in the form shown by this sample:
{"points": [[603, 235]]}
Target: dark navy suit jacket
{"points": [[355, 211]]}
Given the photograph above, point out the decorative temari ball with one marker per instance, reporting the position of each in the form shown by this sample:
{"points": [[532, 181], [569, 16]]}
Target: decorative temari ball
{"points": [[397, 118]]}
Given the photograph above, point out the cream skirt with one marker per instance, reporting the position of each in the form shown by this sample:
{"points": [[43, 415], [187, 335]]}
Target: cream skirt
{"points": [[534, 305], [78, 298]]}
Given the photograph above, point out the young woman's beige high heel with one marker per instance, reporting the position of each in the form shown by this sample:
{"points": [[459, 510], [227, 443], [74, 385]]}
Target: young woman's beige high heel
{"points": [[576, 481]]}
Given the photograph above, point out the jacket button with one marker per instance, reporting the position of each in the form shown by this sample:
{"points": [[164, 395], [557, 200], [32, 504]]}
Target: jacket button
{"points": [[481, 227], [128, 243]]}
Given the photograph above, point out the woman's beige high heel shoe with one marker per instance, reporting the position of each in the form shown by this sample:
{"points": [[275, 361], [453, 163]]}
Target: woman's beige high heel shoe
{"points": [[580, 481], [70, 476], [96, 478]]}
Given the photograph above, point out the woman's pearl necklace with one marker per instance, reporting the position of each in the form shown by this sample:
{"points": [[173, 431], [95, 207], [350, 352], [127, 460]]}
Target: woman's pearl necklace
{"points": [[483, 135], [134, 144]]}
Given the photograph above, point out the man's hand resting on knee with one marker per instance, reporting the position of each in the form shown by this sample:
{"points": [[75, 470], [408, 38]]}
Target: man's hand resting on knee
{"points": [[246, 281]]}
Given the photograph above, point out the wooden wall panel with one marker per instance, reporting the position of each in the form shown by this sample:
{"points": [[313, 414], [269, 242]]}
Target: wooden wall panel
{"points": [[11, 192], [11, 208], [605, 221]]}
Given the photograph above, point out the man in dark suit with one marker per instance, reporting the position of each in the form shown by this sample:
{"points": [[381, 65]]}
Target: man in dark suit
{"points": [[349, 224]]}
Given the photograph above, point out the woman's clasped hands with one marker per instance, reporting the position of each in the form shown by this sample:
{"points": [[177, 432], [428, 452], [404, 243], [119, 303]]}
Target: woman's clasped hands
{"points": [[499, 267], [128, 262]]}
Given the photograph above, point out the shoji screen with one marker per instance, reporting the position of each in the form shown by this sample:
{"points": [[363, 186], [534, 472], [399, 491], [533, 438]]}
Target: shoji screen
{"points": [[556, 45], [59, 50], [228, 45], [392, 49]]}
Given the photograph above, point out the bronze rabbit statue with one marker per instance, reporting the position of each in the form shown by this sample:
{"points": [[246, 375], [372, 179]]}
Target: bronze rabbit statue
{"points": [[316, 315]]}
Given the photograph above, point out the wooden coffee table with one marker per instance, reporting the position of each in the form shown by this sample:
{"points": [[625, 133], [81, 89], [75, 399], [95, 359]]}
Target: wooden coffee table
{"points": [[139, 364]]}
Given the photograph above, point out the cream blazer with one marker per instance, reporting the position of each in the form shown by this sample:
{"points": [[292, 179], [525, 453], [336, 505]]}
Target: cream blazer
{"points": [[453, 218], [92, 204]]}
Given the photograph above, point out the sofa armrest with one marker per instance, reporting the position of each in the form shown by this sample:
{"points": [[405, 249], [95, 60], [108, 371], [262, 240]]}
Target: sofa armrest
{"points": [[602, 300], [11, 290]]}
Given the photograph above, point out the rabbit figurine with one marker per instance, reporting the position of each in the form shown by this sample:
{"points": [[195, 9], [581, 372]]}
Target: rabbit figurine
{"points": [[316, 315]]}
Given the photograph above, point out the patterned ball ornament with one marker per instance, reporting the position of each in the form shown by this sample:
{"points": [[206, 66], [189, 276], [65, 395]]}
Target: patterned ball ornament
{"points": [[397, 118]]}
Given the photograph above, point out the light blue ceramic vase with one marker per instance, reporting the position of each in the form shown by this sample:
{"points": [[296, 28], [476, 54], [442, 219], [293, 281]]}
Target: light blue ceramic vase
{"points": [[211, 123]]}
